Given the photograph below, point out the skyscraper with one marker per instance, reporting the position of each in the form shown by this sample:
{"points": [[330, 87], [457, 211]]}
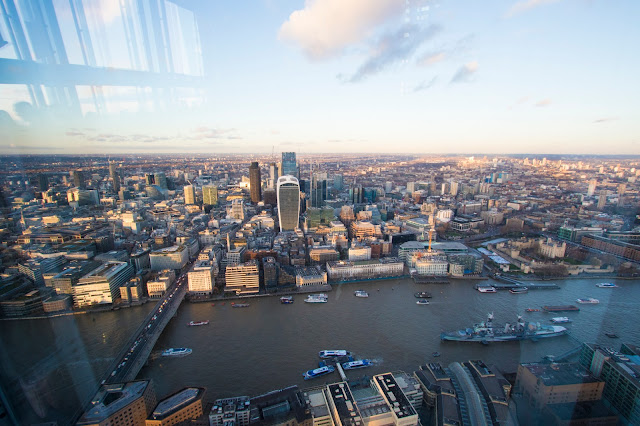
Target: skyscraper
{"points": [[338, 182], [288, 203], [189, 194], [289, 166], [115, 178], [255, 183], [78, 179], [210, 195], [318, 192], [592, 188], [43, 182], [273, 180]]}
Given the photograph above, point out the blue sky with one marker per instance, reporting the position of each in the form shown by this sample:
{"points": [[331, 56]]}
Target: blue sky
{"points": [[410, 76]]}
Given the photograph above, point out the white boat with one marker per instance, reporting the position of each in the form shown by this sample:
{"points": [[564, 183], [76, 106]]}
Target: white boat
{"points": [[361, 293], [196, 323], [318, 372], [177, 352], [333, 353], [589, 300], [422, 302], [606, 285], [558, 320], [361, 363], [486, 289], [317, 298]]}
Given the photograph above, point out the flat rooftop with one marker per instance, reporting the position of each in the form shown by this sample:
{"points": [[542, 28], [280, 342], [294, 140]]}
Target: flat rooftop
{"points": [[317, 402], [560, 374], [344, 402], [394, 395], [112, 398], [175, 402]]}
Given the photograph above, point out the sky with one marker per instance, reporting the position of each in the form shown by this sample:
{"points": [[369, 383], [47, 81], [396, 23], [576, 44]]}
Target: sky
{"points": [[386, 76]]}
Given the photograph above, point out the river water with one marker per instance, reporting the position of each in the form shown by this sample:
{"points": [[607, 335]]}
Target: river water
{"points": [[266, 346]]}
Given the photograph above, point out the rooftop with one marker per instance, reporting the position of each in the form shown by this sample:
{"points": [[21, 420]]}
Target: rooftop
{"points": [[112, 398], [344, 403], [560, 374], [394, 395], [175, 402]]}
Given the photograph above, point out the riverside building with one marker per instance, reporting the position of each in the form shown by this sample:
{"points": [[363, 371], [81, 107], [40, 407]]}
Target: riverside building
{"points": [[346, 270]]}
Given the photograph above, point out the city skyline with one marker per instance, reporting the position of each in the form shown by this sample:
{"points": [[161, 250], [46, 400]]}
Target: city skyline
{"points": [[417, 77]]}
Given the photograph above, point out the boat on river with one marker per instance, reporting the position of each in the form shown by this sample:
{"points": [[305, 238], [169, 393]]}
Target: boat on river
{"points": [[589, 300], [311, 374], [197, 323], [177, 352], [286, 300], [606, 285], [487, 331]]}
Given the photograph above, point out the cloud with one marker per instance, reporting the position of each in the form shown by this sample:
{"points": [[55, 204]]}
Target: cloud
{"points": [[465, 72], [324, 28], [205, 132], [524, 5], [604, 119], [431, 58], [74, 133], [393, 47], [425, 85], [543, 103]]}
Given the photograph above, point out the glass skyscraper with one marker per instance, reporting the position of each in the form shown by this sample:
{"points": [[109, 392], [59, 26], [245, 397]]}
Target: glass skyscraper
{"points": [[289, 165], [288, 202]]}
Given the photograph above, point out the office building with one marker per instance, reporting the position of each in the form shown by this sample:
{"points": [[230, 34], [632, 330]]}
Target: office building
{"points": [[102, 285], [318, 190], [243, 279], [338, 182], [114, 176], [273, 175], [78, 179], [255, 182], [189, 194], [182, 406], [210, 195], [346, 270], [289, 165], [83, 197], [174, 257], [270, 269], [403, 412], [200, 278], [620, 372], [288, 202], [120, 404], [42, 182], [231, 411], [543, 384]]}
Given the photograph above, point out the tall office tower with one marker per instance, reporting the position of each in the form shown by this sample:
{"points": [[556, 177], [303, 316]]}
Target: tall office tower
{"points": [[273, 171], [115, 178], [289, 166], [269, 196], [411, 187], [150, 179], [161, 180], [356, 194], [622, 189], [338, 182], [78, 179], [210, 195], [189, 194], [255, 182], [592, 188], [288, 203], [43, 182], [318, 191]]}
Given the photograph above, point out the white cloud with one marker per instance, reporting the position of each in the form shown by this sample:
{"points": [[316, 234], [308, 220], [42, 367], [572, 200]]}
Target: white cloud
{"points": [[431, 58], [325, 27], [524, 5], [543, 103], [465, 72]]}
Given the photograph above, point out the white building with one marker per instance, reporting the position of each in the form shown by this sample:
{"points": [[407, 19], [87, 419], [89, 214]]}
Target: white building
{"points": [[347, 270], [431, 264], [102, 285], [359, 253], [310, 277], [174, 257], [243, 279], [156, 288], [201, 279]]}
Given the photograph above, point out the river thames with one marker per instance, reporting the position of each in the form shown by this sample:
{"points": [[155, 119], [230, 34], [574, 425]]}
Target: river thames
{"points": [[266, 346]]}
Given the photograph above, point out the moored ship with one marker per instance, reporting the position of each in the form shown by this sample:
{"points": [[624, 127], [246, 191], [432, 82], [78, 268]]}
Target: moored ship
{"points": [[558, 320], [485, 332], [177, 352], [361, 293], [317, 298], [240, 305], [519, 290], [286, 300], [318, 372], [560, 308], [333, 353], [485, 289], [361, 363], [422, 295]]}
